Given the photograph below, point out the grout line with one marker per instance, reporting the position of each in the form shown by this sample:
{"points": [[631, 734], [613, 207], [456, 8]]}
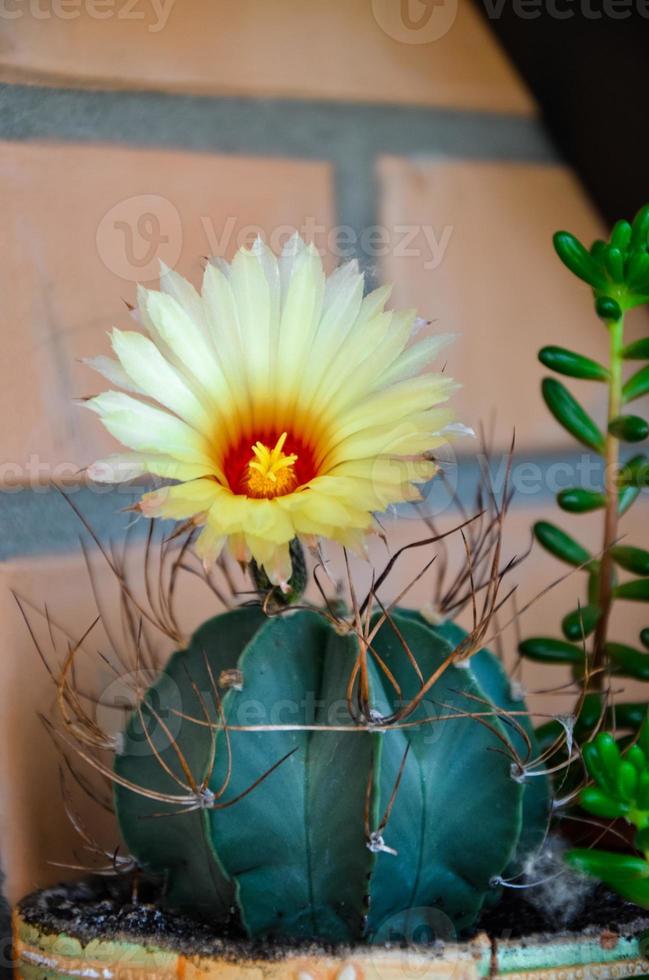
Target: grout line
{"points": [[277, 127], [349, 135], [39, 521]]}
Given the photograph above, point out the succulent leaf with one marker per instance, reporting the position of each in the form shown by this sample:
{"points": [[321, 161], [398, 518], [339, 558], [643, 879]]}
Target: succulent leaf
{"points": [[643, 791], [621, 235], [640, 228], [578, 501], [637, 385], [630, 428], [629, 661], [629, 714], [637, 351], [600, 804], [627, 496], [626, 873], [569, 413], [638, 590], [632, 559], [638, 268], [615, 263], [637, 758], [597, 768], [627, 780], [560, 544], [580, 623], [550, 651], [609, 753], [573, 255], [635, 472], [573, 365]]}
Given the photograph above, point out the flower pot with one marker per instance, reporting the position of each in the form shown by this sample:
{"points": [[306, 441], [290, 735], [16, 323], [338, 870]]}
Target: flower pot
{"points": [[87, 945]]}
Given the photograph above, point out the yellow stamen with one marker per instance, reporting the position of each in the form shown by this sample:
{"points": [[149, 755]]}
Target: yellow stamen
{"points": [[270, 472]]}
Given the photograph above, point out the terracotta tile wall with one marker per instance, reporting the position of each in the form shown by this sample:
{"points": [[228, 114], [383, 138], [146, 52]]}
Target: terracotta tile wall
{"points": [[356, 50], [428, 135], [481, 264], [83, 225]]}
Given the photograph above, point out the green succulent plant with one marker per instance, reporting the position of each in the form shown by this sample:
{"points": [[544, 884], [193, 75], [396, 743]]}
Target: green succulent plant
{"points": [[619, 790], [618, 273], [254, 783]]}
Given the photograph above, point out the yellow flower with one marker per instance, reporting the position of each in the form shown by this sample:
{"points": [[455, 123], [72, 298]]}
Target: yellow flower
{"points": [[287, 404]]}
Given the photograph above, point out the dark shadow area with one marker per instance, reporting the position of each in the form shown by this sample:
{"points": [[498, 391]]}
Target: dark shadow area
{"points": [[6, 962], [585, 62]]}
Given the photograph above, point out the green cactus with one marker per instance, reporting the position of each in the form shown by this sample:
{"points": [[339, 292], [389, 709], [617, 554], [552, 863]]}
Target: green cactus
{"points": [[246, 782]]}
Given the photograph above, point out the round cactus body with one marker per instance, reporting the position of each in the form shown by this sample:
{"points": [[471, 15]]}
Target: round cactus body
{"points": [[245, 781]]}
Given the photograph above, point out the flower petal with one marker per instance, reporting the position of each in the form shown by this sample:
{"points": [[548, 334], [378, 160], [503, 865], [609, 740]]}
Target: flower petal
{"points": [[209, 546], [272, 351], [154, 376], [149, 430]]}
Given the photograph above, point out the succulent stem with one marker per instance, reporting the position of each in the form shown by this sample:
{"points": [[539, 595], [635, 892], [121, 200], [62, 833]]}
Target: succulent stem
{"points": [[611, 470]]}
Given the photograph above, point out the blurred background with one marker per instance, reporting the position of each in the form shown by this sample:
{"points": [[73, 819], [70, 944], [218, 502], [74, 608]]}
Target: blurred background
{"points": [[441, 142]]}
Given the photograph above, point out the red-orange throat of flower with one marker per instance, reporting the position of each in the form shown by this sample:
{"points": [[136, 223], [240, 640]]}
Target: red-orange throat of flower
{"points": [[274, 465]]}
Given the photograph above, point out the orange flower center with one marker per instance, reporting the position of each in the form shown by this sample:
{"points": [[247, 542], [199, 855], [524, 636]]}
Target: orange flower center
{"points": [[274, 466], [271, 472]]}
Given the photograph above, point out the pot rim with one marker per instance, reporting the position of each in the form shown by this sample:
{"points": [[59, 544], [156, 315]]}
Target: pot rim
{"points": [[563, 956]]}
